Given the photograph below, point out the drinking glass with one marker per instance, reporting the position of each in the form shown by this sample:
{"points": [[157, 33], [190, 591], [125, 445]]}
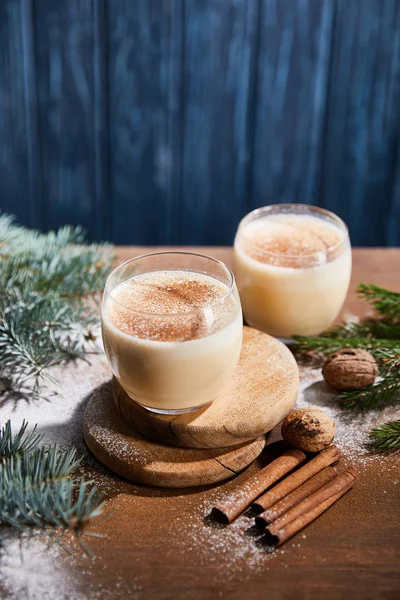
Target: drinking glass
{"points": [[166, 359], [299, 287]]}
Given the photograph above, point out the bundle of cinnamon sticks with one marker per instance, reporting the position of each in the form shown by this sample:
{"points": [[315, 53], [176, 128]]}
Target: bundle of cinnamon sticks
{"points": [[287, 507]]}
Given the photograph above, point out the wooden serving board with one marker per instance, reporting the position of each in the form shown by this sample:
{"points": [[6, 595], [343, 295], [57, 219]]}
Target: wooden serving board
{"points": [[126, 452], [264, 389]]}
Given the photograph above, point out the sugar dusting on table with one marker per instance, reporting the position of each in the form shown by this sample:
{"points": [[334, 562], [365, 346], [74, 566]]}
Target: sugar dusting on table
{"points": [[352, 426], [29, 568], [29, 571]]}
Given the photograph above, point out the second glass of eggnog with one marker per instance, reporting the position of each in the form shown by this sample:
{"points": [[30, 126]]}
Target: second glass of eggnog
{"points": [[292, 267], [172, 329]]}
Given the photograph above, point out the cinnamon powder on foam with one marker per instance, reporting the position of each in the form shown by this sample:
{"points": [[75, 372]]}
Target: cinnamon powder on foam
{"points": [[169, 306], [295, 241]]}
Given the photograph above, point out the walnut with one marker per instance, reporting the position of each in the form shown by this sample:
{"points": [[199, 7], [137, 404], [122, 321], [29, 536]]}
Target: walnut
{"points": [[308, 429], [350, 369]]}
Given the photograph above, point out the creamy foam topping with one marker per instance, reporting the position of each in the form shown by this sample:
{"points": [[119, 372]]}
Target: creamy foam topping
{"points": [[291, 240], [170, 305]]}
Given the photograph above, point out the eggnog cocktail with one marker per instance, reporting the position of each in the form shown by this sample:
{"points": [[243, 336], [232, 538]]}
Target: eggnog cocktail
{"points": [[172, 329], [292, 267]]}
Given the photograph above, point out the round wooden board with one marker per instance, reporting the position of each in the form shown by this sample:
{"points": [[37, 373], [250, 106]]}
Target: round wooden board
{"points": [[126, 452], [264, 389]]}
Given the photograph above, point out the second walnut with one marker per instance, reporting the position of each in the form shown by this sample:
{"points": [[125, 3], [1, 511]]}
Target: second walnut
{"points": [[350, 369]]}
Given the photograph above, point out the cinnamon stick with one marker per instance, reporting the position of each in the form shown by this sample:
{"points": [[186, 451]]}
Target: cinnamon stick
{"points": [[327, 457], [239, 500], [309, 509], [303, 491]]}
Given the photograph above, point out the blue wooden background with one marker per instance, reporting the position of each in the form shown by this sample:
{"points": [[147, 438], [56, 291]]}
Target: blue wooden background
{"points": [[165, 121]]}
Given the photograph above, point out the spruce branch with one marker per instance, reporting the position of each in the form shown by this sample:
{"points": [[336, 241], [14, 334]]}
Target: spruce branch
{"points": [[47, 316], [369, 329], [38, 332], [38, 487], [332, 342], [379, 336], [386, 302], [381, 393], [49, 287], [386, 436], [377, 395], [370, 334], [62, 503], [22, 442], [76, 270], [39, 465]]}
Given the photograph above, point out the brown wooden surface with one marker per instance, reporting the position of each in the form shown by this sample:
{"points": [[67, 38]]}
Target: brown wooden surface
{"points": [[264, 389], [153, 545], [128, 453], [352, 550]]}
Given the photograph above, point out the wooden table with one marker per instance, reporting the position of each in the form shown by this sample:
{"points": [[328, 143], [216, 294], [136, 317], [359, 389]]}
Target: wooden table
{"points": [[352, 550]]}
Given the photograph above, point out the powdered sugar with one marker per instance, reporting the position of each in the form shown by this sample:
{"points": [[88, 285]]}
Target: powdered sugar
{"points": [[352, 427], [50, 573], [30, 570], [59, 417]]}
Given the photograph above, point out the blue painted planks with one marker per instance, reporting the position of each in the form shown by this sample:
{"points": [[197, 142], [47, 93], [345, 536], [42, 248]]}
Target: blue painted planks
{"points": [[72, 95], [219, 60], [20, 174], [145, 89], [293, 70], [363, 126], [164, 121], [393, 219]]}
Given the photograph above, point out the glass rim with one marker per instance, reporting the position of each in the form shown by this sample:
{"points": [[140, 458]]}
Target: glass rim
{"points": [[166, 253], [253, 215]]}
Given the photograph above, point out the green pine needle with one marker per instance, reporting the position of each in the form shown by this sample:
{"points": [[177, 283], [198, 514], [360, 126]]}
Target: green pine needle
{"points": [[40, 332], [63, 503], [386, 436], [382, 393], [328, 343], [22, 442], [379, 336], [38, 488], [370, 334], [38, 465], [48, 290], [386, 302], [378, 395]]}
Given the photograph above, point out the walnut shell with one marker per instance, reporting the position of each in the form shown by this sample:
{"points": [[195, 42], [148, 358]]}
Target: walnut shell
{"points": [[350, 369], [308, 429]]}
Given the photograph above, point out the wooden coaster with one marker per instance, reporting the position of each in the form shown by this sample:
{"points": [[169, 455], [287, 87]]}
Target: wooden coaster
{"points": [[126, 452], [264, 389]]}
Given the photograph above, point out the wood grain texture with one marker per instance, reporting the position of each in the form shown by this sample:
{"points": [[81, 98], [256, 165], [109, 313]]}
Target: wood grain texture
{"points": [[126, 452], [290, 109], [219, 68], [264, 389], [72, 126], [153, 545], [352, 549], [362, 133], [145, 129]]}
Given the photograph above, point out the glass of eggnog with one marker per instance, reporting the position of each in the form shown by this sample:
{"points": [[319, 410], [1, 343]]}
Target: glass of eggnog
{"points": [[172, 329], [292, 267]]}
